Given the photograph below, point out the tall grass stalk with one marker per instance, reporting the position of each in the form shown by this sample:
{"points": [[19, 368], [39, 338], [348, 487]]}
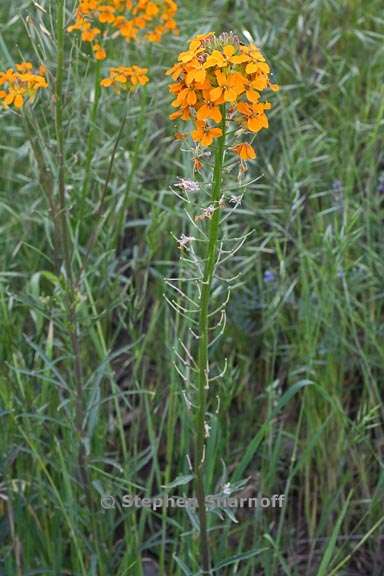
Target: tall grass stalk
{"points": [[135, 154], [65, 236], [91, 138], [70, 284]]}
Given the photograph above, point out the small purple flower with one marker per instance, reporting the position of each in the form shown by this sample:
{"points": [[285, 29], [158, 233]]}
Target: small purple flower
{"points": [[337, 186], [338, 194], [269, 276], [380, 187], [187, 185], [184, 240], [340, 273]]}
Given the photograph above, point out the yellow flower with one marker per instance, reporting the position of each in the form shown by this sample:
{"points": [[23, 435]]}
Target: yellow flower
{"points": [[219, 76]]}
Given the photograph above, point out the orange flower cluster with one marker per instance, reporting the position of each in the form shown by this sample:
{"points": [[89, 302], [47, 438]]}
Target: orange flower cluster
{"points": [[97, 19], [125, 78], [21, 84], [216, 76]]}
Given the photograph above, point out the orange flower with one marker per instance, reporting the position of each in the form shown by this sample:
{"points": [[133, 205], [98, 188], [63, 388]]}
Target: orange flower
{"points": [[102, 18], [205, 135], [184, 114], [217, 80], [186, 97], [254, 116], [196, 74], [229, 87], [209, 110], [21, 85], [107, 14], [125, 78], [245, 151], [99, 52], [197, 165], [24, 67]]}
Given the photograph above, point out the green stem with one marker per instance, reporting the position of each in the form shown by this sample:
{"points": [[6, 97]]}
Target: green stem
{"points": [[136, 153], [46, 180], [203, 380], [91, 139], [67, 251], [170, 447], [99, 215], [60, 136], [65, 236]]}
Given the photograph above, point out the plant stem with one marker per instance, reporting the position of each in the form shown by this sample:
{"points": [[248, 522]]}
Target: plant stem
{"points": [[66, 256], [46, 180], [67, 253], [70, 287], [99, 214], [91, 139], [136, 152], [65, 238], [170, 453], [203, 380]]}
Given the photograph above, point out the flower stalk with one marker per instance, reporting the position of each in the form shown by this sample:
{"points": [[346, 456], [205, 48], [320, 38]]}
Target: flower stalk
{"points": [[65, 238], [218, 85], [203, 355], [70, 281]]}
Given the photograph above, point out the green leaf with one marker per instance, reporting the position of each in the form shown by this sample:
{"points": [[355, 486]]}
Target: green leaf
{"points": [[239, 558], [179, 481], [327, 558]]}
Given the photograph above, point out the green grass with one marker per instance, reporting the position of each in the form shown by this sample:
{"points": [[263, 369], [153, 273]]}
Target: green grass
{"points": [[301, 409]]}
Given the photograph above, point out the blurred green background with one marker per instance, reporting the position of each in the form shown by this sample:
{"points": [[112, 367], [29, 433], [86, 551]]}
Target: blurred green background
{"points": [[301, 409]]}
